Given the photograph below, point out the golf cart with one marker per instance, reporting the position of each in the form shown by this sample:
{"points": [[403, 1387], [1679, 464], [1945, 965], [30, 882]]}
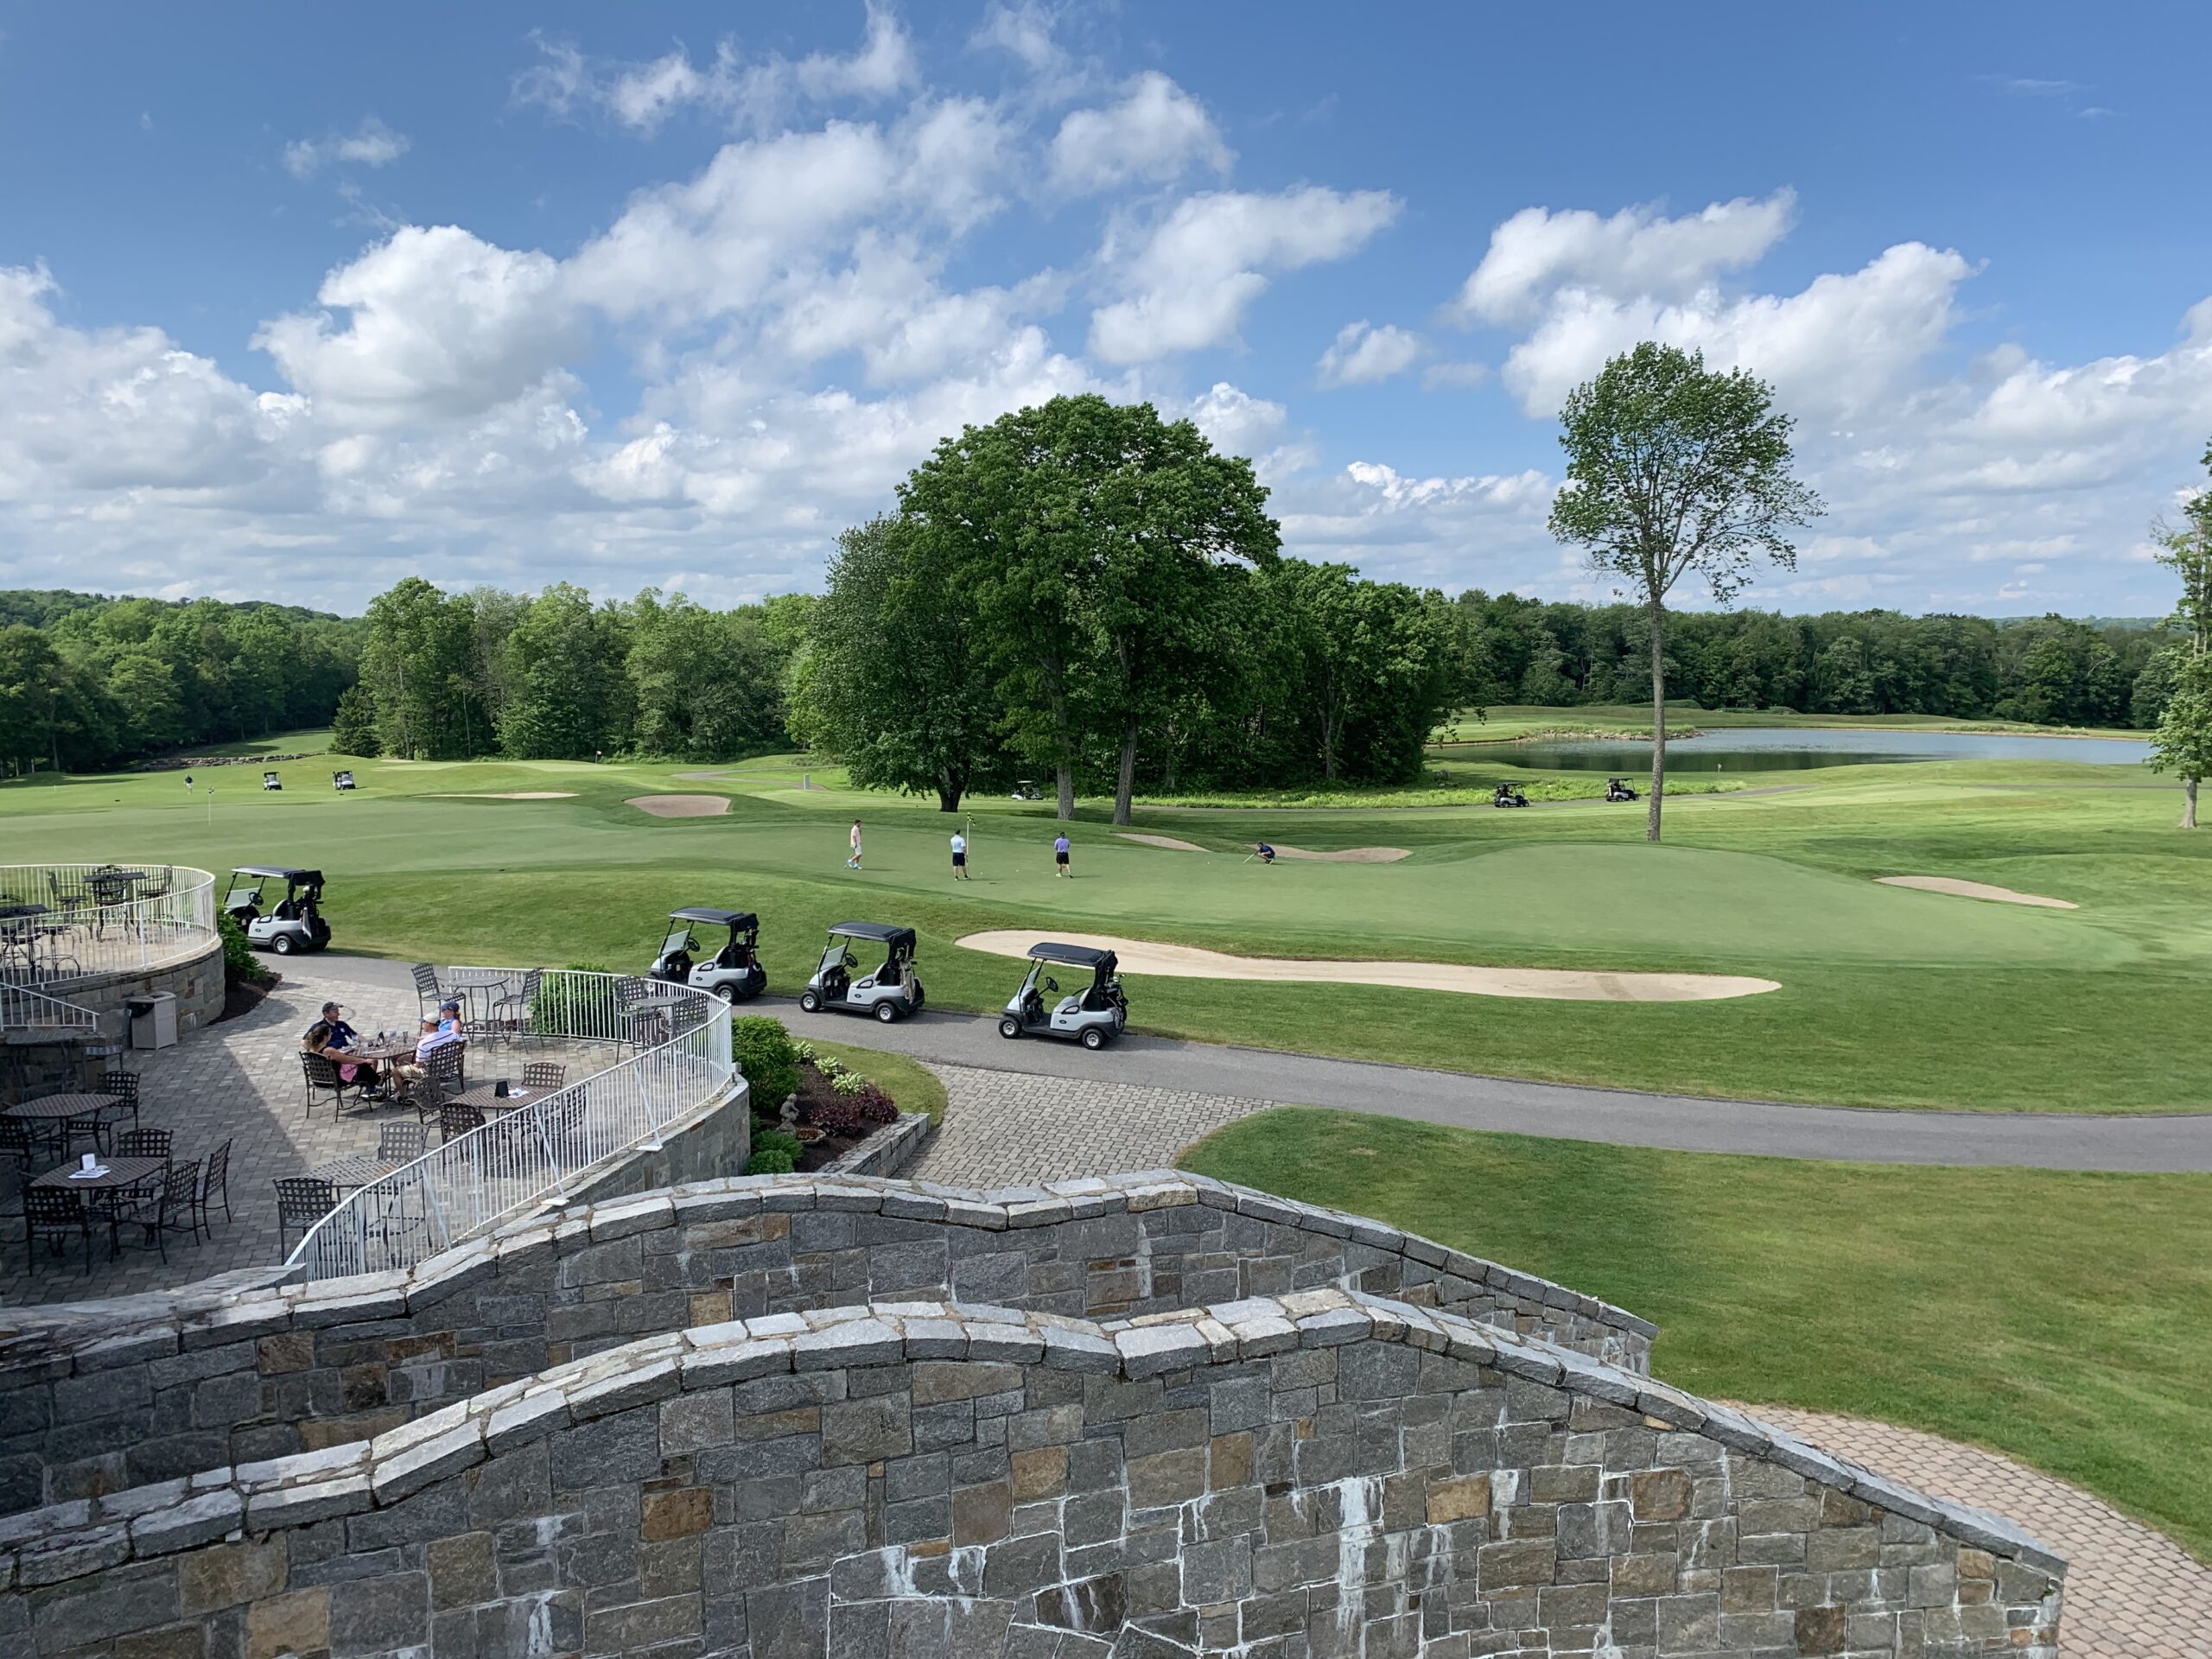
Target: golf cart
{"points": [[891, 990], [341, 781], [294, 924], [270, 780], [1088, 1016], [1619, 789], [1027, 790], [1507, 795], [732, 973]]}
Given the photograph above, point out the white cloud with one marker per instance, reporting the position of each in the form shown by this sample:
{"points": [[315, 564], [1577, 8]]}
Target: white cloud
{"points": [[1189, 279], [440, 325], [1536, 252], [1156, 133], [1362, 354], [371, 144]]}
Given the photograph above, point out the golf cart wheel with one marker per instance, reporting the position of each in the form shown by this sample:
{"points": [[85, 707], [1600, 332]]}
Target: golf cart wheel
{"points": [[1093, 1037], [1009, 1026], [809, 1001], [282, 945], [886, 1012]]}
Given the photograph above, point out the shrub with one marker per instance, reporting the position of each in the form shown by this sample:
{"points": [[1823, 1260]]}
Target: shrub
{"points": [[849, 1083], [770, 1163], [837, 1118], [766, 1056], [876, 1107], [777, 1140], [240, 965]]}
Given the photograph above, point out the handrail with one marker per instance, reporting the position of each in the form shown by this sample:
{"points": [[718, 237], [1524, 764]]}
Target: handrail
{"points": [[681, 1060], [77, 938], [20, 1009]]}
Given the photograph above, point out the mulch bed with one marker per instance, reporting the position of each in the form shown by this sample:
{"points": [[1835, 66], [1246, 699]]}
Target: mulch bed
{"points": [[243, 997], [849, 1119]]}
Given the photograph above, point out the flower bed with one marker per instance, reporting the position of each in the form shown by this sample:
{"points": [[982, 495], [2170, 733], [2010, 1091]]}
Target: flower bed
{"points": [[833, 1108]]}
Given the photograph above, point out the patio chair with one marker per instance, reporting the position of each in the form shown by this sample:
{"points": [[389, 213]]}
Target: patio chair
{"points": [[428, 992], [401, 1143], [144, 1143], [321, 1074], [214, 1179], [167, 1204], [446, 1066], [302, 1201], [48, 1212], [124, 1085], [66, 899], [16, 1145], [457, 1119], [511, 1011], [543, 1074]]}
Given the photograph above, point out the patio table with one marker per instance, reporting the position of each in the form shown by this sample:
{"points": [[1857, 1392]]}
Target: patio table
{"points": [[481, 1096], [362, 1169], [55, 1113], [477, 988], [116, 1176]]}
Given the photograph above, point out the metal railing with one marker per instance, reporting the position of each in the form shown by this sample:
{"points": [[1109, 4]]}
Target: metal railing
{"points": [[25, 1010], [678, 1060], [169, 915]]}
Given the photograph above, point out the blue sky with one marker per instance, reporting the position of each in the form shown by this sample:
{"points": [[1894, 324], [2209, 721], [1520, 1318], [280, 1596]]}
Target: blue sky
{"points": [[295, 301]]}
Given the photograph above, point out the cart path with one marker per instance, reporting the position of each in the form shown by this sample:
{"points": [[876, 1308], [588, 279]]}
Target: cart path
{"points": [[2169, 1143]]}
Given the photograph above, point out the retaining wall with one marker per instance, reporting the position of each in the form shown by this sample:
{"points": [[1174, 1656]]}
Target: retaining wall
{"points": [[104, 1396], [1295, 1477], [197, 983]]}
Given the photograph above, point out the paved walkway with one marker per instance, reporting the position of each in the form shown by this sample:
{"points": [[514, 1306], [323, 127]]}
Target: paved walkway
{"points": [[2130, 1592]]}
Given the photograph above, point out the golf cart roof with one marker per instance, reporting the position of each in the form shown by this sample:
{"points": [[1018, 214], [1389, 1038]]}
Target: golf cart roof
{"points": [[1078, 956], [282, 872], [714, 918], [894, 937]]}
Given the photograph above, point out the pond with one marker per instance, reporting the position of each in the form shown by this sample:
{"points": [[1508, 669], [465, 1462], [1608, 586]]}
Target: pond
{"points": [[1800, 748]]}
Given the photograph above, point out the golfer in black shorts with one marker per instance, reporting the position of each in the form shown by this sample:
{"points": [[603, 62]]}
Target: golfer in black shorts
{"points": [[1060, 855]]}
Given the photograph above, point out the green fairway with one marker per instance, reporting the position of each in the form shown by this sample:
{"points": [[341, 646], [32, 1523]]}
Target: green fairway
{"points": [[2056, 1317], [1889, 996]]}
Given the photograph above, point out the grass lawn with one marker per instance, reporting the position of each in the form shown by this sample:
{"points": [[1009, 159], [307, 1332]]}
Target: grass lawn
{"points": [[1888, 997], [2058, 1319]]}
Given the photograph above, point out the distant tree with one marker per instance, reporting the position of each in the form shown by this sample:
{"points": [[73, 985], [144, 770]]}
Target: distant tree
{"points": [[1673, 468], [2183, 742], [570, 694], [353, 728]]}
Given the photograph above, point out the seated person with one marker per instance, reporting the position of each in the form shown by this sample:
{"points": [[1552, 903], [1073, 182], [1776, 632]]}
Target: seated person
{"points": [[331, 1036], [441, 1031]]}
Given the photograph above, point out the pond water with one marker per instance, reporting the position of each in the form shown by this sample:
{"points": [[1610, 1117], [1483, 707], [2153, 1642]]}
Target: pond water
{"points": [[1799, 748]]}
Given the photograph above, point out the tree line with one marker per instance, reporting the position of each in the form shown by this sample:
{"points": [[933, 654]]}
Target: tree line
{"points": [[555, 675], [88, 682]]}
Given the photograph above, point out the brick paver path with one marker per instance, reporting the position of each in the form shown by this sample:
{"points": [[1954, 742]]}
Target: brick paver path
{"points": [[239, 1081], [2131, 1593]]}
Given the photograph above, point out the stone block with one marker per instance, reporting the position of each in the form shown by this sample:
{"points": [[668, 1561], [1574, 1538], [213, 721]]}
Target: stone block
{"points": [[225, 1575], [380, 1614], [293, 1624], [682, 1513]]}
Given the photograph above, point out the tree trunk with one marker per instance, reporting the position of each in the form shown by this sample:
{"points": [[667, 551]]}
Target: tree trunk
{"points": [[948, 794], [1126, 784], [2189, 802], [1658, 720]]}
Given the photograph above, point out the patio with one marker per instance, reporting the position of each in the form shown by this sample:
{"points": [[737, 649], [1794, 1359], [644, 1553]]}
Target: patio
{"points": [[240, 1081]]}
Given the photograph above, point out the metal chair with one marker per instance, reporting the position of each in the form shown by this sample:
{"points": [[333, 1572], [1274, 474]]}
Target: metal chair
{"points": [[124, 1085], [302, 1201], [144, 1143], [321, 1074], [215, 1179], [447, 1064], [48, 1212], [167, 1204], [401, 1143], [457, 1119], [16, 1145], [428, 992], [509, 1014], [543, 1074]]}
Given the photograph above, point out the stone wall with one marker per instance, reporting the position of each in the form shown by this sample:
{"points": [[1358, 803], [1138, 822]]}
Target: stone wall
{"points": [[1301, 1477], [197, 983], [99, 1397], [711, 1143]]}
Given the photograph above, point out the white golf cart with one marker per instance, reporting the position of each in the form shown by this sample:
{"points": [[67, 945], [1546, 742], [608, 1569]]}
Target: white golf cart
{"points": [[295, 924], [891, 990], [271, 780], [1088, 1016], [341, 781], [732, 973]]}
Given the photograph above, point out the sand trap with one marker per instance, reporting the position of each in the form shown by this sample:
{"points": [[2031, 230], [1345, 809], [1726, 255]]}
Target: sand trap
{"points": [[1975, 890], [1188, 962], [517, 795], [1347, 855], [1168, 842], [681, 806]]}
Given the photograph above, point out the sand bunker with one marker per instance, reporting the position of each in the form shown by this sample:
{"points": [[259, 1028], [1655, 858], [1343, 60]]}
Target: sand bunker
{"points": [[1168, 842], [1188, 962], [681, 806], [1348, 855], [516, 795], [1975, 890]]}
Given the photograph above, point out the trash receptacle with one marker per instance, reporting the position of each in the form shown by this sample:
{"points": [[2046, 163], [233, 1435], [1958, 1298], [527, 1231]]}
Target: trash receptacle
{"points": [[153, 1020]]}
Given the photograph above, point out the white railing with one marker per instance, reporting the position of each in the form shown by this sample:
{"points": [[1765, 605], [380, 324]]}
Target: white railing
{"points": [[168, 917], [679, 1060], [22, 1010]]}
